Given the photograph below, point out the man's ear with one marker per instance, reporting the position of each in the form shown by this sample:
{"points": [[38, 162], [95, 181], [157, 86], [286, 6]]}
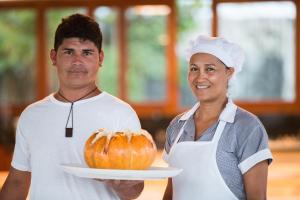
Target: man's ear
{"points": [[53, 56], [101, 58]]}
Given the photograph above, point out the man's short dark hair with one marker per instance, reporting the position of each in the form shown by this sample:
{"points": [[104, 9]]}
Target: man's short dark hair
{"points": [[79, 26]]}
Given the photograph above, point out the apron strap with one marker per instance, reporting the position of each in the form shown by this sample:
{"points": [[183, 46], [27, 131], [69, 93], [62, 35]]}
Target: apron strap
{"points": [[219, 130], [186, 116], [178, 136]]}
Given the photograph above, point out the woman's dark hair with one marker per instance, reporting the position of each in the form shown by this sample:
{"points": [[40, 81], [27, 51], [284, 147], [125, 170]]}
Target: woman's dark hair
{"points": [[79, 26]]}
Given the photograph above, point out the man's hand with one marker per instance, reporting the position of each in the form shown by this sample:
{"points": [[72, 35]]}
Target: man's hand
{"points": [[126, 189]]}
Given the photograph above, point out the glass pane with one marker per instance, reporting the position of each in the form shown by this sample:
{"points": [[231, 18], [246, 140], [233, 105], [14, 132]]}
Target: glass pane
{"points": [[17, 56], [108, 73], [54, 17], [194, 18], [266, 31], [147, 40]]}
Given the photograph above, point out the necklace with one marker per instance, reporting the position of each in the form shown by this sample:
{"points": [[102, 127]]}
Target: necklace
{"points": [[69, 130]]}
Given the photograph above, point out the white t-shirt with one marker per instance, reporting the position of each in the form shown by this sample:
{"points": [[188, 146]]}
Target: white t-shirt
{"points": [[41, 146]]}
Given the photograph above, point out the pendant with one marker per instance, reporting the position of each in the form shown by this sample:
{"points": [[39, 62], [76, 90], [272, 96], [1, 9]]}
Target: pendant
{"points": [[69, 132]]}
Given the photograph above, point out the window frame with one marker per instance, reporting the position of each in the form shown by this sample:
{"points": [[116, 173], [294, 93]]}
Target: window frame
{"points": [[143, 109], [272, 106], [171, 106]]}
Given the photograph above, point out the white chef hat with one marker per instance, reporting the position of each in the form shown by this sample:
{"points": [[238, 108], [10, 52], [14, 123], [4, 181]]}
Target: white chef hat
{"points": [[229, 53]]}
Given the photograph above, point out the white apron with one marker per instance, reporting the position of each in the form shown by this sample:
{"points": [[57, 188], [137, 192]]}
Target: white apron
{"points": [[200, 178]]}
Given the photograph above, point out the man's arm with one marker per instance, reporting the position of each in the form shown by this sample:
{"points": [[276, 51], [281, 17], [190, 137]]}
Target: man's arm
{"points": [[255, 181], [126, 190], [16, 185]]}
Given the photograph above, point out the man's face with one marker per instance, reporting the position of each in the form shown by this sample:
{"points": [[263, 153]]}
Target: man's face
{"points": [[77, 62]]}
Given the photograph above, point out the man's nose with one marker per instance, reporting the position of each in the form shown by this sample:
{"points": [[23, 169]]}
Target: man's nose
{"points": [[77, 58]]}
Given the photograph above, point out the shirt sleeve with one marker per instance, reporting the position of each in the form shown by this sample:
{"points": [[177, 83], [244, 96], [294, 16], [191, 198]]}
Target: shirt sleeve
{"points": [[168, 140], [254, 149], [167, 144], [171, 133], [21, 156]]}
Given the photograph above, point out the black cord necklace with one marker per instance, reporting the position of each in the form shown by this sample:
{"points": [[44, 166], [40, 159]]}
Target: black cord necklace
{"points": [[69, 130]]}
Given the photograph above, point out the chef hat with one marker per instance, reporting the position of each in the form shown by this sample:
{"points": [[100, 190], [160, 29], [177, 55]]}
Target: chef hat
{"points": [[229, 53]]}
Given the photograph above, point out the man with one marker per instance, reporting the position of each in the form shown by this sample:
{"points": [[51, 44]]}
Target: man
{"points": [[53, 131]]}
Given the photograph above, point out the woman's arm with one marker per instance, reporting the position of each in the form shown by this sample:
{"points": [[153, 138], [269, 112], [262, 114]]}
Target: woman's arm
{"points": [[255, 181], [168, 191]]}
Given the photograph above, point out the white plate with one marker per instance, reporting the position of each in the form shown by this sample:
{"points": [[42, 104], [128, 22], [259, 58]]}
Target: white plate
{"points": [[153, 173]]}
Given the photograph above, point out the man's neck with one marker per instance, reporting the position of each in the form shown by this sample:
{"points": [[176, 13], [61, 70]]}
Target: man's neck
{"points": [[72, 95]]}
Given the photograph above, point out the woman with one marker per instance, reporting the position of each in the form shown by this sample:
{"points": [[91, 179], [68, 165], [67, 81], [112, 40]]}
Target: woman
{"points": [[222, 149]]}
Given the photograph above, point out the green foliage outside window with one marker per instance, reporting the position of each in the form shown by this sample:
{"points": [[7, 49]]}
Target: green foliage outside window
{"points": [[108, 73], [17, 56], [147, 58]]}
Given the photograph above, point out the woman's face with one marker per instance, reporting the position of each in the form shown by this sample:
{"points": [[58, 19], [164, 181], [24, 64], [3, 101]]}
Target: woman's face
{"points": [[208, 77]]}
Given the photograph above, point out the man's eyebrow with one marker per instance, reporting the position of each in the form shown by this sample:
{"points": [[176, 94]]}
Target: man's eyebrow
{"points": [[88, 50], [67, 49]]}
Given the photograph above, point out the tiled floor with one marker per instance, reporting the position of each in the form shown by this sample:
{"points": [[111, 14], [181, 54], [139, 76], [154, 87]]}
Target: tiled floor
{"points": [[283, 183]]}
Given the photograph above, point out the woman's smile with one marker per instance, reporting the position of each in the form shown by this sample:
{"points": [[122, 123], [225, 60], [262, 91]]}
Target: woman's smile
{"points": [[199, 86]]}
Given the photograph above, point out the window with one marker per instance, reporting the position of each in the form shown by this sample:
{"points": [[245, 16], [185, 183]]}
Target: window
{"points": [[266, 32], [18, 54], [144, 44], [147, 39], [108, 73]]}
